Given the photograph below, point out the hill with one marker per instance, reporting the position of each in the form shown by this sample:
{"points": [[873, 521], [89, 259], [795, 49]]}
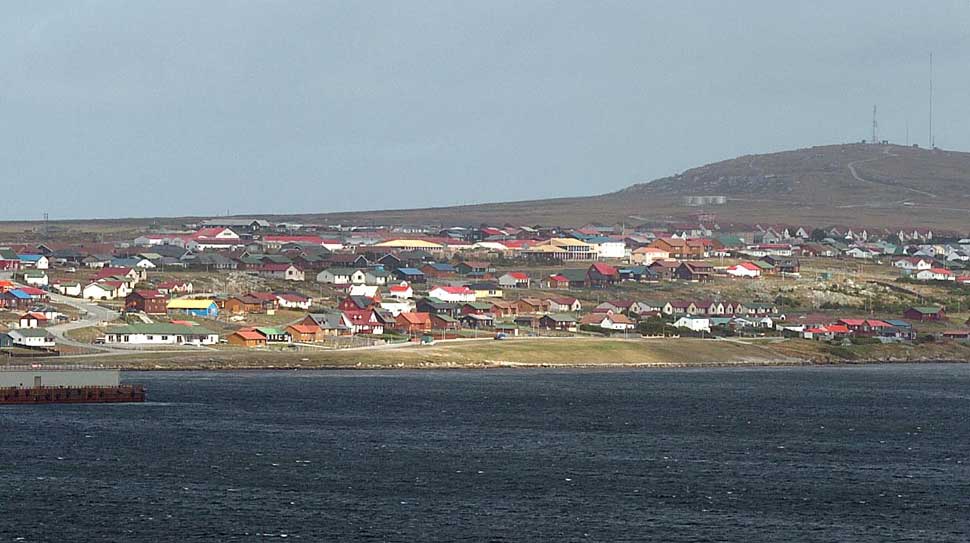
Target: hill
{"points": [[851, 184]]}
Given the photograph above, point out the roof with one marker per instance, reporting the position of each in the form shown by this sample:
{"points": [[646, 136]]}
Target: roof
{"points": [[305, 328], [927, 310], [159, 328], [410, 271], [183, 303], [415, 318], [519, 276], [249, 334], [30, 332], [455, 290]]}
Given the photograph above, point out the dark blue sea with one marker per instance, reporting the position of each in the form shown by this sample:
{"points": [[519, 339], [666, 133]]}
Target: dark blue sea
{"points": [[873, 453]]}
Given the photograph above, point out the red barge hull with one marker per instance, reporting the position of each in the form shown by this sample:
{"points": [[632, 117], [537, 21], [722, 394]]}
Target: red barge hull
{"points": [[82, 394]]}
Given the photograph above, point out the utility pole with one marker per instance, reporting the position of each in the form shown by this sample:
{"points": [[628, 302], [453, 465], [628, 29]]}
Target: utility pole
{"points": [[932, 138], [874, 125]]}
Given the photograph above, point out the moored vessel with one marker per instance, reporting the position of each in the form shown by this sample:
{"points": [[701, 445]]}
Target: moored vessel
{"points": [[41, 384]]}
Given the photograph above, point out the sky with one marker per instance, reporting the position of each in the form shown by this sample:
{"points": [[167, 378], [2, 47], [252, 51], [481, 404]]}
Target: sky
{"points": [[113, 108]]}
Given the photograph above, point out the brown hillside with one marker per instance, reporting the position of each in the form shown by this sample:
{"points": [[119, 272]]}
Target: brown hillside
{"points": [[852, 184]]}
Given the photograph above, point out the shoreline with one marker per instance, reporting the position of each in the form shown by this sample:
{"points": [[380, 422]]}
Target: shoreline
{"points": [[530, 353], [528, 367]]}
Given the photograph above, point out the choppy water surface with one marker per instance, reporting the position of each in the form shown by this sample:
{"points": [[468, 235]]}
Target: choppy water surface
{"points": [[878, 453]]}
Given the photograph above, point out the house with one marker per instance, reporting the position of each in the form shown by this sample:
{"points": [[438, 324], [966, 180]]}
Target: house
{"points": [[304, 333], [600, 275], [479, 269], [100, 291], [644, 256], [640, 274], [33, 320], [329, 323], [243, 304], [558, 321], [160, 334], [515, 280], [784, 264], [364, 321], [664, 269], [413, 323], [693, 323], [376, 277], [39, 262], [401, 291], [35, 278], [925, 313], [747, 270], [934, 274], [444, 322], [680, 307], [247, 337], [292, 300], [434, 305], [694, 271], [67, 288], [438, 270], [285, 272], [35, 338], [175, 287], [476, 308], [486, 289], [151, 302], [562, 304], [197, 308], [528, 305], [557, 281], [502, 308], [453, 294], [15, 299], [342, 276], [608, 321], [477, 321], [354, 302], [913, 264], [369, 291], [273, 335], [411, 275]]}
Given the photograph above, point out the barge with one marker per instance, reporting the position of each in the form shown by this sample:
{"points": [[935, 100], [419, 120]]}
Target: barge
{"points": [[65, 384]]}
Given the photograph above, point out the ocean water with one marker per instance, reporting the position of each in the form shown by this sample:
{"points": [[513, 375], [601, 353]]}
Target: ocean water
{"points": [[874, 453]]}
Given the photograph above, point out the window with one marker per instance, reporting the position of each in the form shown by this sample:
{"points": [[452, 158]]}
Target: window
{"points": [[164, 338]]}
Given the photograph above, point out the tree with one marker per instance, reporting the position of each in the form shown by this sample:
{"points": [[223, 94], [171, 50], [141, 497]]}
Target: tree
{"points": [[818, 234]]}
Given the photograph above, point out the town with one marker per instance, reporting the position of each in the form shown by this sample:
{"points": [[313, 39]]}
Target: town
{"points": [[249, 284]]}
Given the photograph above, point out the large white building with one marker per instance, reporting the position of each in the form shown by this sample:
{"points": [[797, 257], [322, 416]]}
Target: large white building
{"points": [[160, 334]]}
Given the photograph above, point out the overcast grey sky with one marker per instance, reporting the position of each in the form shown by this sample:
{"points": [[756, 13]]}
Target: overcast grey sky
{"points": [[119, 108]]}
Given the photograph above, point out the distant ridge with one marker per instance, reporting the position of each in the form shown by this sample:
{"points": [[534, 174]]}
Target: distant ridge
{"points": [[852, 184]]}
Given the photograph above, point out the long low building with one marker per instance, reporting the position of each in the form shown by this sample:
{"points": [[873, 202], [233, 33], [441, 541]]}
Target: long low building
{"points": [[160, 334]]}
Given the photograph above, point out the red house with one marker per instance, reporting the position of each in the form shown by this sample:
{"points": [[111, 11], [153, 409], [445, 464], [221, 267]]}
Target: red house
{"points": [[151, 302]]}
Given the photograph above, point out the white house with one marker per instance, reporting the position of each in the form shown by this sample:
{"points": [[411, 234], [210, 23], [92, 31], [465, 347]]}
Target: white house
{"points": [[744, 270], [342, 276], [615, 249], [396, 307], [648, 255], [160, 334], [453, 294], [402, 290], [99, 291], [935, 274], [697, 324], [913, 263], [609, 321], [39, 262], [36, 278], [67, 288], [376, 277], [514, 280], [294, 301], [369, 291], [31, 337]]}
